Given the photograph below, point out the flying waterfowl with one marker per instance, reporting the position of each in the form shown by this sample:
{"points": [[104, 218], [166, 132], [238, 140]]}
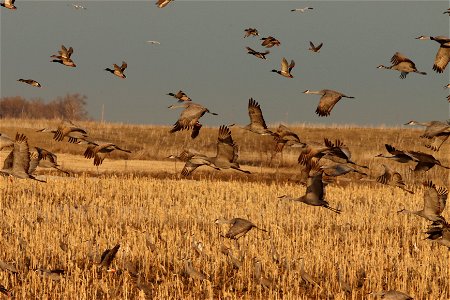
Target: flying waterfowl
{"points": [[313, 150], [447, 11], [327, 101], [285, 68], [9, 4], [251, 32], [118, 71], [439, 232], [99, 150], [163, 3], [335, 170], [239, 227], [315, 191], [189, 117], [257, 123], [436, 131], [393, 178], [73, 136], [261, 55], [270, 41], [154, 42], [315, 48], [17, 163], [44, 159], [434, 200], [286, 137], [65, 128], [402, 64], [30, 82], [5, 141], [78, 6], [443, 55], [339, 153], [64, 57], [180, 96], [302, 10]]}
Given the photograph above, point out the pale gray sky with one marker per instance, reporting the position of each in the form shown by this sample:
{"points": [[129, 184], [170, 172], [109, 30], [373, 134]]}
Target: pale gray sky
{"points": [[202, 52]]}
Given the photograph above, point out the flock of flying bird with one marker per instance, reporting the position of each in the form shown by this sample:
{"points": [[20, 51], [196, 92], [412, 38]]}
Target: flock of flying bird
{"points": [[22, 163]]}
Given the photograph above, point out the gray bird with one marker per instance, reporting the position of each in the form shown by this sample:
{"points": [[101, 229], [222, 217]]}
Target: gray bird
{"points": [[327, 101], [439, 232], [402, 64], [443, 55], [239, 227], [99, 150], [257, 123], [392, 177], [180, 96], [63, 57], [189, 117]]}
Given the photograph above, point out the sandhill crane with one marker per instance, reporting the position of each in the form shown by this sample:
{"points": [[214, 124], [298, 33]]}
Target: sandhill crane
{"points": [[447, 11], [424, 161], [302, 10], [443, 55], [65, 128], [315, 48], [335, 170], [153, 42], [261, 55], [434, 200], [439, 232], [226, 155], [259, 277], [392, 177], [339, 153], [30, 82], [180, 96], [44, 159], [315, 192], [251, 32], [257, 123], [64, 57], [305, 276], [107, 257], [270, 41], [189, 117], [436, 131], [9, 4], [239, 227], [345, 286], [285, 68], [73, 136], [118, 71], [391, 295], [78, 6], [17, 163], [191, 272], [163, 3], [5, 141], [327, 101], [286, 137], [99, 150], [402, 64], [312, 150]]}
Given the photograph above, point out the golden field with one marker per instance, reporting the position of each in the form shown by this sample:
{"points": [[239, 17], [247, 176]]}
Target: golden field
{"points": [[140, 202]]}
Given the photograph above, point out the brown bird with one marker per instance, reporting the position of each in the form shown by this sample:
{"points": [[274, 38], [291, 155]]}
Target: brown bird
{"points": [[17, 163], [30, 82], [9, 4], [393, 178], [402, 64], [335, 170], [443, 54], [315, 48], [434, 200], [439, 232], [65, 128], [251, 32], [259, 277], [339, 153], [313, 150], [257, 123], [43, 159], [189, 118], [191, 272], [315, 190], [261, 55], [180, 96], [73, 136], [327, 101], [270, 41], [163, 3], [436, 131], [226, 155], [285, 68], [286, 137], [99, 150], [107, 257], [118, 71], [64, 57], [5, 141], [239, 227]]}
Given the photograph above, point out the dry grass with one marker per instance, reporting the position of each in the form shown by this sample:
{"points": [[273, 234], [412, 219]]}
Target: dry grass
{"points": [[69, 221]]}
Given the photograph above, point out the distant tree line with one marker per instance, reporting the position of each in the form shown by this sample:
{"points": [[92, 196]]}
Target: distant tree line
{"points": [[71, 106]]}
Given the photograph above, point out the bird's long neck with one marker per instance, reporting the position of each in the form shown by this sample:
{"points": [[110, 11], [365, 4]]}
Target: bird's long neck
{"points": [[314, 92], [384, 67]]}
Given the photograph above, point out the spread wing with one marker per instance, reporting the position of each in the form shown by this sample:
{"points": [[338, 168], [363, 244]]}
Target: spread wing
{"points": [[399, 58], [225, 145], [434, 198], [21, 155], [326, 104], [442, 59], [437, 142], [255, 113]]}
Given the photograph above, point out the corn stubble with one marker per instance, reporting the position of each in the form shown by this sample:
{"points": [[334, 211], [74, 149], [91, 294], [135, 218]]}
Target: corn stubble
{"points": [[167, 235]]}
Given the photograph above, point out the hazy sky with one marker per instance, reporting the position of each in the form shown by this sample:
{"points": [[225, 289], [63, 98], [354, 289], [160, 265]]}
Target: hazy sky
{"points": [[202, 52]]}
